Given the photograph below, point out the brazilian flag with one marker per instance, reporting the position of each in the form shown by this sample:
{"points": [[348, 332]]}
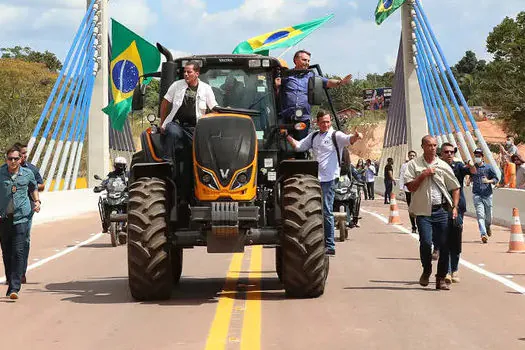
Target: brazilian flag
{"points": [[132, 57], [280, 38], [385, 8]]}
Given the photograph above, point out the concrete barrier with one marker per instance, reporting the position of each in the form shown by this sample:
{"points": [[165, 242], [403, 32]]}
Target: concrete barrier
{"points": [[503, 200], [66, 204]]}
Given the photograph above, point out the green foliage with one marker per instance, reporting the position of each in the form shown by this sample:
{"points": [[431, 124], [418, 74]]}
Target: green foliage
{"points": [[503, 86], [27, 54], [26, 87]]}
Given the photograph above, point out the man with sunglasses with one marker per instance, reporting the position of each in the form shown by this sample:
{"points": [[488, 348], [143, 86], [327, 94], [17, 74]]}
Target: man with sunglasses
{"points": [[448, 152], [16, 183], [40, 185]]}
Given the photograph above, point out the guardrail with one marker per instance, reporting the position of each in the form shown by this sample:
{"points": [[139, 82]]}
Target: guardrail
{"points": [[503, 200], [65, 204]]}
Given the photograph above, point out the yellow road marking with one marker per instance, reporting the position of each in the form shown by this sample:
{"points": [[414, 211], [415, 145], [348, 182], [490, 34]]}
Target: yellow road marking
{"points": [[221, 323], [251, 327]]}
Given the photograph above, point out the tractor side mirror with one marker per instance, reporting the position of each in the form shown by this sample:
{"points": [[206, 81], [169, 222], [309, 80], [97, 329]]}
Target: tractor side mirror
{"points": [[97, 177], [137, 104], [316, 91]]}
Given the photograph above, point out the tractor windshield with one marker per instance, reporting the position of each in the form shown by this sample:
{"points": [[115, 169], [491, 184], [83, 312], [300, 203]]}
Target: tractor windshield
{"points": [[251, 89]]}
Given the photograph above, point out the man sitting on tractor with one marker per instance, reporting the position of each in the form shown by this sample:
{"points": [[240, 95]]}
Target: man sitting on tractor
{"points": [[188, 98]]}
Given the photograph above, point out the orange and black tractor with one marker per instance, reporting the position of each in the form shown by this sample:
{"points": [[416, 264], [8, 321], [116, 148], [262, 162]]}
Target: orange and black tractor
{"points": [[247, 188]]}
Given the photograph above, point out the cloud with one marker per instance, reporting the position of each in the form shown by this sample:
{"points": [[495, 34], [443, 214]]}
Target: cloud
{"points": [[136, 15]]}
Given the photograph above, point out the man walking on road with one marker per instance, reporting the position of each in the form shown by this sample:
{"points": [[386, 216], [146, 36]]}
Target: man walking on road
{"points": [[370, 173], [15, 211], [482, 181], [461, 170], [326, 149], [430, 180], [403, 188], [40, 185]]}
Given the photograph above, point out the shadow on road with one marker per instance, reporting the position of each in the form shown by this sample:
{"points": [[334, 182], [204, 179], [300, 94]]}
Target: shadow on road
{"points": [[397, 258], [189, 291], [386, 285]]}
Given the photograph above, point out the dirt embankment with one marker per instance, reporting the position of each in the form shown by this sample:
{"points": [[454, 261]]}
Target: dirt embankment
{"points": [[373, 136]]}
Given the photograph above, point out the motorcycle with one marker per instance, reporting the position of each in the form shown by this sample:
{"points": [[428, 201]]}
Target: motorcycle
{"points": [[347, 198], [112, 207]]}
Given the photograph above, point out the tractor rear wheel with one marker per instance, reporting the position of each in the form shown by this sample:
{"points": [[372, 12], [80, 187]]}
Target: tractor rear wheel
{"points": [[305, 264], [149, 266]]}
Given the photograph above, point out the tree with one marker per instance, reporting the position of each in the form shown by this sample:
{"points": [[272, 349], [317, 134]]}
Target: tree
{"points": [[503, 85], [27, 54], [25, 89]]}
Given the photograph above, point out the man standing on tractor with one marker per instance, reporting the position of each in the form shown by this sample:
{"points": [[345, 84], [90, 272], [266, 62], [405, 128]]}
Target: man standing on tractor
{"points": [[188, 98], [327, 145], [294, 92]]}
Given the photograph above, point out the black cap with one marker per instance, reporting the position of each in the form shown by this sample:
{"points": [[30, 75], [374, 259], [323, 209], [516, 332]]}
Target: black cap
{"points": [[478, 151]]}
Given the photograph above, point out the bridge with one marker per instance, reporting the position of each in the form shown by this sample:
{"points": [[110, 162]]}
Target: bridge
{"points": [[77, 294]]}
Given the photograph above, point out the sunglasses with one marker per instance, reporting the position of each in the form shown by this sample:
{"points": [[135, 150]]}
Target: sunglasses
{"points": [[448, 152], [13, 158]]}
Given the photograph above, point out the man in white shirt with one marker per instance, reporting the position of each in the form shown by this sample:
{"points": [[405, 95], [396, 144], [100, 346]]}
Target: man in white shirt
{"points": [[322, 144], [188, 99], [403, 188]]}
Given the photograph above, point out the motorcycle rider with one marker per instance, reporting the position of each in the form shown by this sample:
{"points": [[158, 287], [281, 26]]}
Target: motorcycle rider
{"points": [[120, 167]]}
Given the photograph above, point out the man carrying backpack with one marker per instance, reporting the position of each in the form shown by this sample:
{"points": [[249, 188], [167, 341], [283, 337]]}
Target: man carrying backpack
{"points": [[327, 145]]}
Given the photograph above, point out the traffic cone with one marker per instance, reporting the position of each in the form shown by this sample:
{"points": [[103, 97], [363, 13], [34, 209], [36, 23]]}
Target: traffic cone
{"points": [[394, 218], [516, 241]]}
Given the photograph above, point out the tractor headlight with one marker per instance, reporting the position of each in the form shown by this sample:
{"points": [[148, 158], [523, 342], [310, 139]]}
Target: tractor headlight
{"points": [[208, 179], [241, 179]]}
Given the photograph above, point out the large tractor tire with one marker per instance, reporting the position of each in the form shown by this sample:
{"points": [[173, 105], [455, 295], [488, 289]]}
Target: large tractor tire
{"points": [[279, 262], [149, 266], [176, 264], [305, 264], [139, 157]]}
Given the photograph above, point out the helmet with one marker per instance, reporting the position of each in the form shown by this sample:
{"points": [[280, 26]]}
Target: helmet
{"points": [[120, 164]]}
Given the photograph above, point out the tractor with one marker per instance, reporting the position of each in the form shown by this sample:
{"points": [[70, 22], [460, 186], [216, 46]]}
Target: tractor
{"points": [[248, 185]]}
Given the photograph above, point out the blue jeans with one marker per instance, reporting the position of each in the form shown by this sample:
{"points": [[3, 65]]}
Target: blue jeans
{"points": [[483, 207], [435, 225], [177, 144], [13, 238], [27, 244], [328, 215], [455, 237]]}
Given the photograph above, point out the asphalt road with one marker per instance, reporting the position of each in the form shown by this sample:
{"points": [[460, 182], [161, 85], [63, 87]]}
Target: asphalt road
{"points": [[77, 297]]}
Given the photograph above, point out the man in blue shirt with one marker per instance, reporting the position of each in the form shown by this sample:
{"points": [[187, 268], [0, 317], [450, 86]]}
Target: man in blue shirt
{"points": [[293, 92], [16, 183], [40, 185], [455, 227], [482, 182]]}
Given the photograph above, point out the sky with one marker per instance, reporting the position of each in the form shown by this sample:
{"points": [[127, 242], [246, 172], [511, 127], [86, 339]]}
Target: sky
{"points": [[350, 43]]}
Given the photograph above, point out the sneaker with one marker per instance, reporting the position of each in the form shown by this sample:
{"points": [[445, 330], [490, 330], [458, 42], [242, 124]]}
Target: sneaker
{"points": [[13, 295], [424, 280], [455, 277], [23, 280], [330, 252], [489, 231], [435, 254], [484, 239], [441, 284], [448, 278]]}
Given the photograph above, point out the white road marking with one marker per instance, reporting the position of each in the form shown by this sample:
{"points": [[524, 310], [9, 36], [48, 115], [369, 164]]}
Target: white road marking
{"points": [[58, 255], [467, 264]]}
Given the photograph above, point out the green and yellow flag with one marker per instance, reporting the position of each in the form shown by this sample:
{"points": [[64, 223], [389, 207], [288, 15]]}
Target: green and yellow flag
{"points": [[132, 56], [280, 38], [385, 8]]}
